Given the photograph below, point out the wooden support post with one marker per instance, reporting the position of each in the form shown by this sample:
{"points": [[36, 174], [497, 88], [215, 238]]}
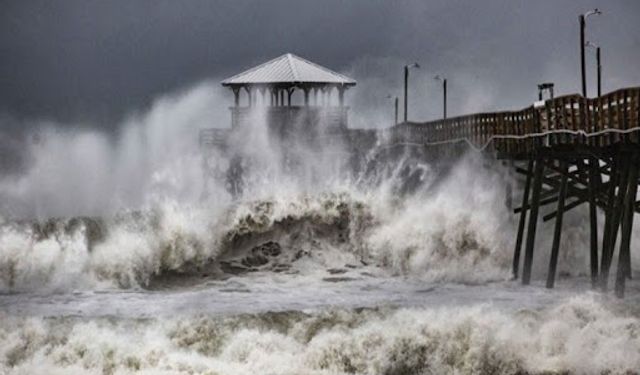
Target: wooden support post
{"points": [[593, 217], [616, 215], [523, 219], [624, 255], [608, 217], [632, 200], [508, 196], [553, 260], [533, 219]]}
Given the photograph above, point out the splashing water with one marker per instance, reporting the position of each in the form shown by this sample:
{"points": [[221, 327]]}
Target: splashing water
{"points": [[110, 262]]}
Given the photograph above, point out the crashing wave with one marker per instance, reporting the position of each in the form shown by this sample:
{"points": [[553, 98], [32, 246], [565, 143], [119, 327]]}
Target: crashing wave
{"points": [[133, 248], [583, 335], [457, 232], [136, 249]]}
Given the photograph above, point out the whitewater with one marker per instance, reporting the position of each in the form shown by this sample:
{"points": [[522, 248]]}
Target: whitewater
{"points": [[112, 261]]}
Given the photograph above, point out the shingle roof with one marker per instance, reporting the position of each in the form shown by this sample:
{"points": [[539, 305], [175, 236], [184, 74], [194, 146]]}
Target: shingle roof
{"points": [[288, 68]]}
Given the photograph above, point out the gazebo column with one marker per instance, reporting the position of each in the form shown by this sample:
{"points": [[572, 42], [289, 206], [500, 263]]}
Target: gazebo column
{"points": [[306, 96], [341, 90], [236, 95], [260, 91], [282, 97], [248, 90], [289, 93]]}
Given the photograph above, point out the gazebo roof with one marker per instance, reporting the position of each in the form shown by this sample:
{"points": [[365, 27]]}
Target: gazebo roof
{"points": [[288, 69]]}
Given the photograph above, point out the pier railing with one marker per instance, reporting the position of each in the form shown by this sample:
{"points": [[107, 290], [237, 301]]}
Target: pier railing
{"points": [[569, 119]]}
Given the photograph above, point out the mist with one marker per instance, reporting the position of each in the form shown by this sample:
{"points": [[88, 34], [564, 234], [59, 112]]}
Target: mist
{"points": [[69, 170]]}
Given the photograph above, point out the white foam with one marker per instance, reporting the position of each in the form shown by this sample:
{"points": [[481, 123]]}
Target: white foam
{"points": [[580, 335]]}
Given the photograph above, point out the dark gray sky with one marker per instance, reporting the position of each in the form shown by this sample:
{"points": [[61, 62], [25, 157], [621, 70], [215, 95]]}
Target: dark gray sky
{"points": [[96, 61]]}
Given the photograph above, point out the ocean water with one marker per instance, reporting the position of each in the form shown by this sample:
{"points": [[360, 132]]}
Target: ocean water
{"points": [[113, 263]]}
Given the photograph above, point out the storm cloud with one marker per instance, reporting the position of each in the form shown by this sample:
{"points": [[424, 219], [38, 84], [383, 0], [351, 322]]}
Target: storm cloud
{"points": [[93, 62]]}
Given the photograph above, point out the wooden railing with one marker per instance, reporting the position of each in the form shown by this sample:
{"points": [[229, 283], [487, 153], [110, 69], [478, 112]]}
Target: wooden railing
{"points": [[570, 119]]}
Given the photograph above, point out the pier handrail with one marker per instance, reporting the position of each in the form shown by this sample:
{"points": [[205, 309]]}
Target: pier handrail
{"points": [[566, 119]]}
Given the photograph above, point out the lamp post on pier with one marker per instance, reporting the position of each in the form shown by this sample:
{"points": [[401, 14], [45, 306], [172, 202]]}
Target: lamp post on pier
{"points": [[406, 87], [548, 87], [593, 162], [599, 65], [583, 19], [444, 95]]}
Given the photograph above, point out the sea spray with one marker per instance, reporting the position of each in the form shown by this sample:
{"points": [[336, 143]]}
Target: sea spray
{"points": [[447, 233], [458, 231], [73, 170], [134, 247], [111, 262]]}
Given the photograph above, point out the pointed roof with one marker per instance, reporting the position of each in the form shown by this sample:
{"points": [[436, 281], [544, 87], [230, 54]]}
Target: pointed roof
{"points": [[288, 68]]}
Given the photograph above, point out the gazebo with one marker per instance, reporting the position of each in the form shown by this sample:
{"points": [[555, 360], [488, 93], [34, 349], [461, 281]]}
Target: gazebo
{"points": [[273, 86]]}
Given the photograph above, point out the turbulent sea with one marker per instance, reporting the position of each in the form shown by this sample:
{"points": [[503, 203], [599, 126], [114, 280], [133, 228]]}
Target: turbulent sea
{"points": [[315, 275]]}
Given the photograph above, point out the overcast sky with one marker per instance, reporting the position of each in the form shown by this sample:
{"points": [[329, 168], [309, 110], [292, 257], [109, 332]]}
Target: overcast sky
{"points": [[95, 61]]}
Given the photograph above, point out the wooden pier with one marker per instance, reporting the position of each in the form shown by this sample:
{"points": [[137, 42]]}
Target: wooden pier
{"points": [[572, 151]]}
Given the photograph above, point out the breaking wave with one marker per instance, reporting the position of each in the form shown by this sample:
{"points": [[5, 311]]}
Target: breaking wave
{"points": [[432, 234], [579, 336]]}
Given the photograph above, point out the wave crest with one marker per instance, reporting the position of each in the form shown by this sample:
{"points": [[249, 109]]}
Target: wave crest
{"points": [[582, 335], [454, 232]]}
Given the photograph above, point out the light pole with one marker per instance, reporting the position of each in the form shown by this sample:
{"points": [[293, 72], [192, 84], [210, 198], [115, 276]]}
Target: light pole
{"points": [[547, 86], [599, 65], [406, 87], [444, 94], [593, 162], [395, 101], [583, 19]]}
